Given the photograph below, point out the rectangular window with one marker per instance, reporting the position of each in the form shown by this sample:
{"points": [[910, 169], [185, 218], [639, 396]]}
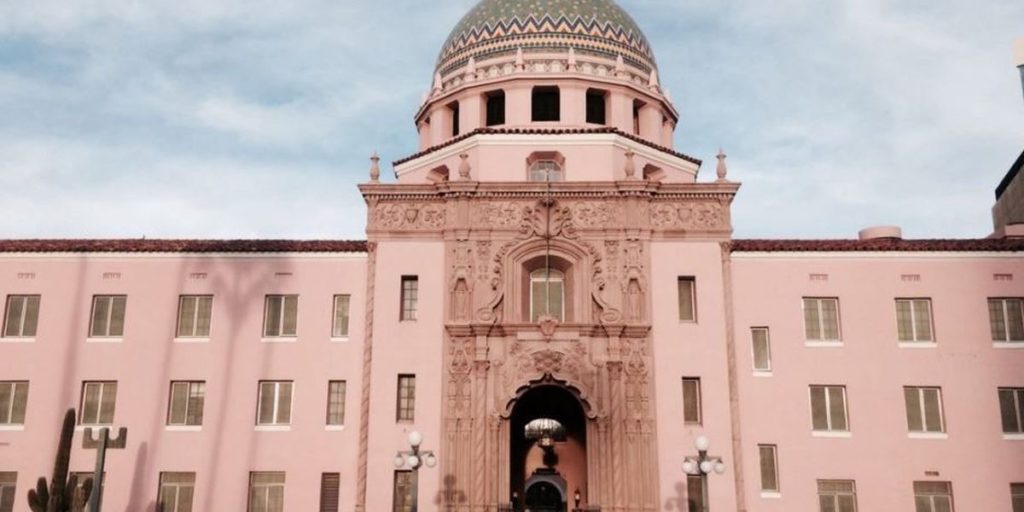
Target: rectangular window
{"points": [[21, 316], [453, 110], [275, 403], [1011, 407], [176, 492], [1006, 319], [914, 319], [821, 319], [762, 349], [82, 476], [933, 497], [280, 317], [691, 401], [340, 327], [404, 483], [329, 485], [8, 490], [837, 496], [495, 108], [687, 299], [695, 493], [410, 294], [924, 409], [828, 409], [769, 468], [194, 314], [336, 402], [406, 398], [1017, 497], [266, 491], [596, 106], [13, 402], [546, 104], [108, 316], [186, 405], [97, 405]]}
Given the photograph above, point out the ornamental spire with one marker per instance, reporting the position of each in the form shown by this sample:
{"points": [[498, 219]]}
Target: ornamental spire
{"points": [[375, 168], [721, 170]]}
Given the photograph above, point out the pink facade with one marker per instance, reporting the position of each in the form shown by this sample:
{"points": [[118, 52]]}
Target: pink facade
{"points": [[544, 256]]}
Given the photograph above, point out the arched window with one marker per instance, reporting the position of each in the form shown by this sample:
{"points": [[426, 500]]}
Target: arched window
{"points": [[545, 170], [547, 294]]}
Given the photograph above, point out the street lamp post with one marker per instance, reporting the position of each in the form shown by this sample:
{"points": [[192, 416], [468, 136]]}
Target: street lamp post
{"points": [[702, 465], [414, 458]]}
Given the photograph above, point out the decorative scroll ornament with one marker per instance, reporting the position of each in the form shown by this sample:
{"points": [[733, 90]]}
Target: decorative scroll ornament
{"points": [[702, 216], [409, 216]]}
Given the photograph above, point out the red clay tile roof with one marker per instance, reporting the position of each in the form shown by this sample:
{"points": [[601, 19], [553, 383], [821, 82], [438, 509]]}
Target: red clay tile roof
{"points": [[547, 131], [881, 244], [182, 246]]}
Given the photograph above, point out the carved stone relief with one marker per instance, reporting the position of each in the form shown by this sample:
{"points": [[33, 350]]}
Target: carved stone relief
{"points": [[409, 216], [705, 215]]}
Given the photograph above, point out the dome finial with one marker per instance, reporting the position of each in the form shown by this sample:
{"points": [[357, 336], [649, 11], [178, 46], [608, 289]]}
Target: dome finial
{"points": [[653, 83], [620, 67], [375, 168], [721, 170], [438, 85], [572, 59], [520, 63], [471, 69]]}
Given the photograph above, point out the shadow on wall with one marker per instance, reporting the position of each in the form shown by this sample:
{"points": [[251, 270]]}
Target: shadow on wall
{"points": [[450, 496], [679, 502], [138, 479]]}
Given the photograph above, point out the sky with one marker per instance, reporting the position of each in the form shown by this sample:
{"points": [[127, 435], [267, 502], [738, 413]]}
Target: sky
{"points": [[256, 118]]}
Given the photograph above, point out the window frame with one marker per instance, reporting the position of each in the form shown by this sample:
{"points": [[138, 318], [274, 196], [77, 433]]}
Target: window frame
{"points": [[189, 391], [330, 478], [195, 335], [692, 280], [176, 487], [8, 418], [1004, 311], [276, 413], [336, 333], [552, 276], [931, 495], [23, 316], [8, 490], [821, 327], [112, 301], [836, 494], [829, 420], [768, 350], [268, 487], [592, 95], [914, 335], [550, 109], [405, 413], [409, 478], [922, 410], [408, 308], [1017, 395], [693, 381], [1017, 496], [488, 110], [332, 403], [104, 386], [282, 317], [777, 489]]}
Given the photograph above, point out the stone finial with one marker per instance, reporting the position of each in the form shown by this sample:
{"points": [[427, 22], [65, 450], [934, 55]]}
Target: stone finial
{"points": [[375, 168], [520, 63], [721, 169], [572, 59], [438, 85], [471, 69], [630, 165], [424, 97], [653, 83], [620, 66], [464, 166]]}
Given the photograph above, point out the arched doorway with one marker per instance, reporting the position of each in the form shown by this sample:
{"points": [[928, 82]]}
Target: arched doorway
{"points": [[546, 474]]}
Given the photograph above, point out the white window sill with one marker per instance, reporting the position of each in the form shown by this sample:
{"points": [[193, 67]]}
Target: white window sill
{"points": [[282, 339], [81, 428], [1013, 437], [823, 344], [339, 339], [771, 495], [917, 344], [1009, 344], [273, 428], [184, 428], [104, 340], [838, 434], [334, 428], [759, 373], [191, 340], [12, 428], [927, 435], [15, 339]]}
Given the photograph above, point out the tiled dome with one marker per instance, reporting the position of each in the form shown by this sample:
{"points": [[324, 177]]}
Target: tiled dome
{"points": [[495, 27]]}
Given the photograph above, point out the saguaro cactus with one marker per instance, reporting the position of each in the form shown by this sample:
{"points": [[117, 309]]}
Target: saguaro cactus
{"points": [[61, 496]]}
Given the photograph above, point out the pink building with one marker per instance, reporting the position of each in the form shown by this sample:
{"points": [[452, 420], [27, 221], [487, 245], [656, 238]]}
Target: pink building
{"points": [[550, 296]]}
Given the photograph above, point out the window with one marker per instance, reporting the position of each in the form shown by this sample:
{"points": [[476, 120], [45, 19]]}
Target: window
{"points": [[837, 496], [108, 316], [769, 468], [340, 327], [546, 104], [1006, 318], [176, 492], [691, 401], [97, 406], [336, 402], [404, 482], [821, 319], [924, 409], [410, 294], [1017, 497], [22, 316], [687, 300], [280, 316], [1011, 407], [695, 493], [8, 490], [453, 110], [329, 484], [275, 403], [914, 319], [545, 170], [495, 108], [547, 294], [13, 402], [637, 105], [186, 405], [406, 398], [266, 491], [933, 497], [194, 312], [762, 349], [82, 476], [596, 106], [828, 409]]}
